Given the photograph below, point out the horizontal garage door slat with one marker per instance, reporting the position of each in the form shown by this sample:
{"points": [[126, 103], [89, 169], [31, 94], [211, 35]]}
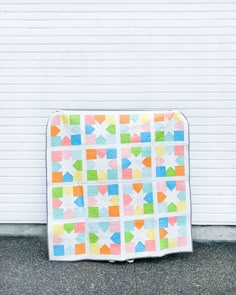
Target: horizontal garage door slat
{"points": [[174, 54]]}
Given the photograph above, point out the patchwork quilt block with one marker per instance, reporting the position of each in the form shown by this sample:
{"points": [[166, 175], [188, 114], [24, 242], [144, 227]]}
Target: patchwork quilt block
{"points": [[117, 185]]}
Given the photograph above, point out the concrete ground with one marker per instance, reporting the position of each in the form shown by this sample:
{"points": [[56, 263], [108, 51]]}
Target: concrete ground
{"points": [[25, 269]]}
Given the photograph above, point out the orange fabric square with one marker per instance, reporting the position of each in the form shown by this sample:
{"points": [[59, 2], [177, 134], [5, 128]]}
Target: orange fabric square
{"points": [[54, 130], [77, 191], [100, 118], [158, 117], [56, 176], [91, 154], [79, 249], [114, 211], [105, 250], [179, 170], [124, 119], [161, 197]]}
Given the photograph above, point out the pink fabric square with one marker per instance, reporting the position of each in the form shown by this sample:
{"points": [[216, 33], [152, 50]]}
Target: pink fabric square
{"points": [[159, 161], [125, 153], [150, 245], [161, 186], [172, 220], [182, 241], [55, 120], [79, 227], [127, 173], [135, 138], [129, 211], [67, 155], [57, 156], [179, 150], [146, 127], [114, 226], [129, 248], [57, 240], [180, 185], [115, 249], [90, 139], [89, 119]]}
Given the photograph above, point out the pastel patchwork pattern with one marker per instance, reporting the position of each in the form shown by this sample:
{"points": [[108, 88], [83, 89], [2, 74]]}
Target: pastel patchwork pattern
{"points": [[138, 199], [67, 166], [136, 162], [170, 160], [135, 128], [173, 232], [105, 238], [117, 185], [67, 202], [103, 200], [100, 129], [139, 235], [65, 130], [69, 239], [171, 196], [169, 126], [102, 164]]}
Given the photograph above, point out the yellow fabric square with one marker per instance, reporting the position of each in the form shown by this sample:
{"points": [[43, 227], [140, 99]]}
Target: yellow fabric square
{"points": [[138, 210], [78, 176], [160, 151], [150, 234], [144, 118], [137, 173], [102, 175], [64, 119], [172, 243], [67, 190], [181, 206], [94, 249], [110, 119], [114, 201], [58, 229]]}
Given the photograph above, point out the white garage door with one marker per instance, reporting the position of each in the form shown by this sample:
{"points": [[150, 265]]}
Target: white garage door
{"points": [[175, 54]]}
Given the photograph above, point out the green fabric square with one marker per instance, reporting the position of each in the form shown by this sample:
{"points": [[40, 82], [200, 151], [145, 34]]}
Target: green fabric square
{"points": [[148, 208], [125, 138], [93, 212], [69, 227], [111, 129], [78, 165], [170, 172], [159, 136], [75, 119], [164, 244], [92, 175], [57, 192], [93, 238]]}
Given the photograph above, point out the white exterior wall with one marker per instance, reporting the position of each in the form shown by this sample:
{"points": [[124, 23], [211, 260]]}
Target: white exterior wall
{"points": [[175, 54]]}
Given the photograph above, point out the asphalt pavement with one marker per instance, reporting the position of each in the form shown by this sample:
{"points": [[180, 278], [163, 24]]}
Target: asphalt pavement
{"points": [[25, 269]]}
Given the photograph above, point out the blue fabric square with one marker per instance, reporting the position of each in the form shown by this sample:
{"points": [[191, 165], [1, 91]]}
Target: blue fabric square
{"points": [[111, 153], [178, 135], [161, 171], [145, 136], [79, 202], [112, 189], [163, 222], [56, 140], [76, 139], [58, 214], [59, 250]]}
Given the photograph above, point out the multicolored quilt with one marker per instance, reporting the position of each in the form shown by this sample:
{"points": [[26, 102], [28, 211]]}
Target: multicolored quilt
{"points": [[118, 185]]}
